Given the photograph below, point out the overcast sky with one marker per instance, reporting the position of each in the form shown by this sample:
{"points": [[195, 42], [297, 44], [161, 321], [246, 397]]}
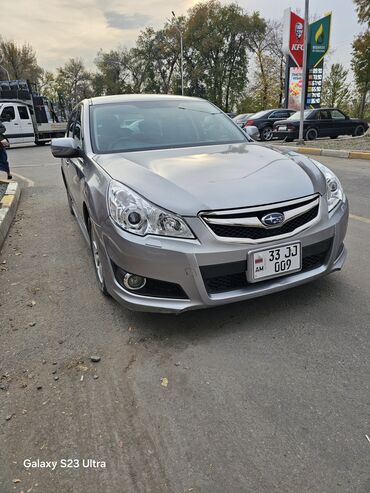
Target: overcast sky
{"points": [[60, 29]]}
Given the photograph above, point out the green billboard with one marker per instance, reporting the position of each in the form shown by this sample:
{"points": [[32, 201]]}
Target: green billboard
{"points": [[318, 40]]}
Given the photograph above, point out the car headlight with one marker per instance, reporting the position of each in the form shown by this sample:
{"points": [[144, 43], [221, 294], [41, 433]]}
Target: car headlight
{"points": [[137, 215], [334, 189]]}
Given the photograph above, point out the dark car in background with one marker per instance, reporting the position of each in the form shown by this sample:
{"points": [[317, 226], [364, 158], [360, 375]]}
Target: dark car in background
{"points": [[321, 122], [264, 121], [242, 119]]}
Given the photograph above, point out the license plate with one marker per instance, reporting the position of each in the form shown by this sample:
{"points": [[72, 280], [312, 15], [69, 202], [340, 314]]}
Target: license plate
{"points": [[274, 262], [282, 127]]}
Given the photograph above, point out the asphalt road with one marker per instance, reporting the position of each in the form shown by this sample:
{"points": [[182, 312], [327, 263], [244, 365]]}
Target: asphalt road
{"points": [[270, 395]]}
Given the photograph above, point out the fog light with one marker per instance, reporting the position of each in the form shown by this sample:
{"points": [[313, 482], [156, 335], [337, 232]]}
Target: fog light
{"points": [[133, 282]]}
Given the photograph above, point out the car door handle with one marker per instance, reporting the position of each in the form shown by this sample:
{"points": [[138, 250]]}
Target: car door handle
{"points": [[16, 123]]}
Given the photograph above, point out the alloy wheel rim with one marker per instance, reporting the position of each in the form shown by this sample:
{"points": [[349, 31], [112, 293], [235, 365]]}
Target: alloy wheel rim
{"points": [[267, 133], [97, 263]]}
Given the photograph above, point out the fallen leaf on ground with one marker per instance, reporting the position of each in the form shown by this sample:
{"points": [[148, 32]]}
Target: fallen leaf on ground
{"points": [[164, 381]]}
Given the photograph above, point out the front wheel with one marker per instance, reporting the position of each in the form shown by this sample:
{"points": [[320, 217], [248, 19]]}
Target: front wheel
{"points": [[40, 142], [311, 134], [96, 256], [359, 130], [266, 133]]}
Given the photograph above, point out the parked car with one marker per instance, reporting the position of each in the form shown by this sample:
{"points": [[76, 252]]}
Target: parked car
{"points": [[264, 121], [242, 119], [322, 122], [185, 211], [231, 114]]}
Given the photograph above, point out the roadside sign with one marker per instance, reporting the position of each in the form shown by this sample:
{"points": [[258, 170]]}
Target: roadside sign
{"points": [[293, 36], [318, 40]]}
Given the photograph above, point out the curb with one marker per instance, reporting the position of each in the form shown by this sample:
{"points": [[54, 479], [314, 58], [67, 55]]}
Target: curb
{"points": [[316, 151], [8, 208]]}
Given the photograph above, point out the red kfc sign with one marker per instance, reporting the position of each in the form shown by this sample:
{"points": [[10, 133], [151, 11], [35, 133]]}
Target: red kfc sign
{"points": [[294, 36]]}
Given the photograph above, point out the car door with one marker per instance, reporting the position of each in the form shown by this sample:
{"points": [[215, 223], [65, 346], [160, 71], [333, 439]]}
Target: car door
{"points": [[75, 166], [341, 124], [25, 122], [324, 124], [12, 124]]}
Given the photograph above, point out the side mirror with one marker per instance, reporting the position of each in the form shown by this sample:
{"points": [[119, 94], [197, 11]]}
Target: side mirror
{"points": [[252, 131], [64, 147]]}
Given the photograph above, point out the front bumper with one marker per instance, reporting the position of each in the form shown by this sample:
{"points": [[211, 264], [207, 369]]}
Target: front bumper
{"points": [[186, 263]]}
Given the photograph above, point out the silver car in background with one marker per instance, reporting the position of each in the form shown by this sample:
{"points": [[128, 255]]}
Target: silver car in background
{"points": [[183, 210]]}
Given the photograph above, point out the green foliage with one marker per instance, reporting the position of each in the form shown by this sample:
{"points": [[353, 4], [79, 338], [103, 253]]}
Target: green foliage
{"points": [[217, 37], [19, 61], [335, 91], [73, 83], [363, 10], [361, 67]]}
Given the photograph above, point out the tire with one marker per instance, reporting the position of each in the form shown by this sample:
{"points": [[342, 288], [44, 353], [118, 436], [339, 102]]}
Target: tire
{"points": [[40, 142], [311, 134], [359, 130], [95, 254], [266, 133], [334, 136]]}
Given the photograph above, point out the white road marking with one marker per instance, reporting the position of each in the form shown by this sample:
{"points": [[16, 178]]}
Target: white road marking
{"points": [[29, 182], [360, 218]]}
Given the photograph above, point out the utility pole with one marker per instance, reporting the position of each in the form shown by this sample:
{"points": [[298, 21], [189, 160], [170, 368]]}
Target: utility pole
{"points": [[304, 72], [181, 54]]}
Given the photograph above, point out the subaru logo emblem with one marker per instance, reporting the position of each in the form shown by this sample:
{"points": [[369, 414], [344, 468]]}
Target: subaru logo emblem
{"points": [[273, 219]]}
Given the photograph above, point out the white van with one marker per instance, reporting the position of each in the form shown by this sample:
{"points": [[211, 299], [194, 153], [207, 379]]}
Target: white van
{"points": [[22, 127]]}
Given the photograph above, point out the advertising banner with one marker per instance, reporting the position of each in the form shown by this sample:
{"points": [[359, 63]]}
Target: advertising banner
{"points": [[293, 36], [295, 88], [318, 40]]}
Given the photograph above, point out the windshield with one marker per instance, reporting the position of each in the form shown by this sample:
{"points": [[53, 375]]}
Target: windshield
{"points": [[297, 114], [161, 124], [260, 114]]}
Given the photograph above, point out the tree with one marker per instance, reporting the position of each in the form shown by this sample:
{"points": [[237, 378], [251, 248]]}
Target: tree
{"points": [[73, 82], [363, 10], [113, 76], [335, 91], [19, 61], [361, 67], [216, 41]]}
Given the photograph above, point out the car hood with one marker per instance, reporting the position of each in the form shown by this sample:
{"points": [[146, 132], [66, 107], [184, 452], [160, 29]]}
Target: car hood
{"points": [[189, 180]]}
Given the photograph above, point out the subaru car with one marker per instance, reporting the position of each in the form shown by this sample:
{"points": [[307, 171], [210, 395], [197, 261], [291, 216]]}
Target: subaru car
{"points": [[182, 209]]}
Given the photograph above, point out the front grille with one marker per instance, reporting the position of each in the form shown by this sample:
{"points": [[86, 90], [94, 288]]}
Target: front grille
{"points": [[247, 223], [226, 231], [230, 277]]}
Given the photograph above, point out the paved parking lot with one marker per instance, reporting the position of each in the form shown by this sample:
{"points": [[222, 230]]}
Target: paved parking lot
{"points": [[270, 395]]}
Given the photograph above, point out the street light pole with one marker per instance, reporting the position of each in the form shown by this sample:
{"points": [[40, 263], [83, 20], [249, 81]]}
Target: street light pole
{"points": [[304, 72], [181, 55]]}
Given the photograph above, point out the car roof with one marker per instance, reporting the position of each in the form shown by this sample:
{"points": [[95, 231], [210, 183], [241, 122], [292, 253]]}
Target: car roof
{"points": [[123, 98]]}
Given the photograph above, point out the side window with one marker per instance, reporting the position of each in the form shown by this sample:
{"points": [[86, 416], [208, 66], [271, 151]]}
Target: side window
{"points": [[325, 115], [23, 113], [77, 134], [8, 111], [71, 124], [337, 115], [273, 114], [282, 114]]}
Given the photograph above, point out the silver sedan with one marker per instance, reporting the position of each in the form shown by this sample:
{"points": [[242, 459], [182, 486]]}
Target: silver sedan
{"points": [[183, 210]]}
